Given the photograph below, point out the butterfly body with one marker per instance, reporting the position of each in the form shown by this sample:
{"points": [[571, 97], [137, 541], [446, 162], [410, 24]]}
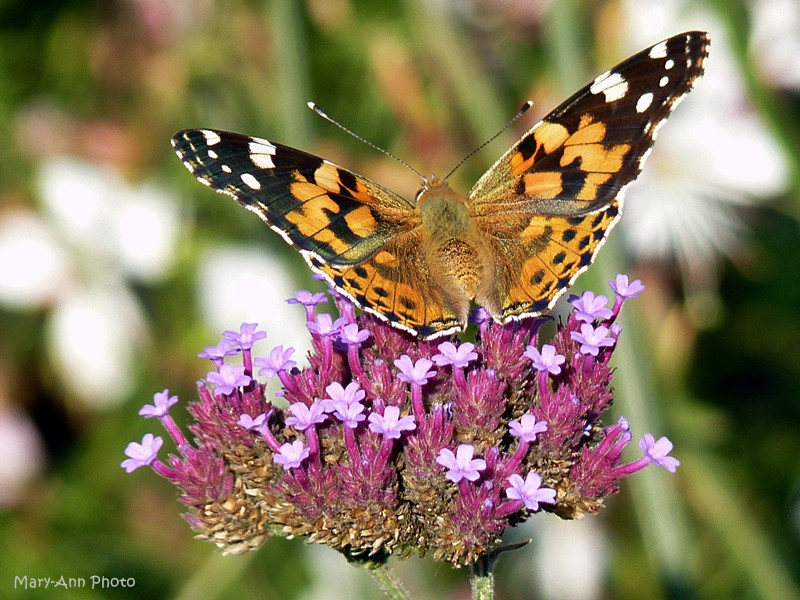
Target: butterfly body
{"points": [[453, 246], [530, 225]]}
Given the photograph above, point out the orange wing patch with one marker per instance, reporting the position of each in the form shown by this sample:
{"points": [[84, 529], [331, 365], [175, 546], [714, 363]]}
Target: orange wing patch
{"points": [[396, 286]]}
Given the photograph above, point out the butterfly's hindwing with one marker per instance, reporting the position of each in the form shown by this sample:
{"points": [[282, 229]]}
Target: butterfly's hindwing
{"points": [[397, 286]]}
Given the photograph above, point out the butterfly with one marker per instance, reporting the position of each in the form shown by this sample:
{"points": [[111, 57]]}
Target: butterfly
{"points": [[522, 235]]}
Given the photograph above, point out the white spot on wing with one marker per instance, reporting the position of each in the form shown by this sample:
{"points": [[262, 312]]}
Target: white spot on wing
{"points": [[212, 154], [211, 137], [663, 81], [261, 153], [669, 64], [226, 169], [612, 85], [644, 102], [659, 50], [251, 181]]}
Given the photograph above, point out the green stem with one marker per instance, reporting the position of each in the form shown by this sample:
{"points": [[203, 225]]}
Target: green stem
{"points": [[482, 581], [387, 580]]}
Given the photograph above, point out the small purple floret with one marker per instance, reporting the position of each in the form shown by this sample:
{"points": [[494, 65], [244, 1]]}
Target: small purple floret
{"points": [[141, 455], [306, 298], [545, 360], [247, 335], [623, 289], [457, 356], [589, 307], [592, 338], [343, 395], [254, 424], [304, 416], [228, 379], [414, 372], [389, 424], [160, 407], [278, 360], [220, 351], [350, 414], [530, 491], [324, 325], [351, 334], [461, 465], [292, 455], [657, 452], [527, 428]]}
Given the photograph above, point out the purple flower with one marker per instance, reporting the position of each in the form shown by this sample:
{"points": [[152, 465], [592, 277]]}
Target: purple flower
{"points": [[338, 395], [389, 424], [324, 325], [461, 465], [623, 289], [220, 351], [478, 416], [592, 338], [657, 452], [143, 454], [160, 407], [278, 360], [252, 424], [351, 334], [546, 360], [527, 428], [589, 307], [457, 356], [414, 372], [246, 336], [304, 416], [306, 298], [350, 414], [291, 455], [530, 491], [228, 379]]}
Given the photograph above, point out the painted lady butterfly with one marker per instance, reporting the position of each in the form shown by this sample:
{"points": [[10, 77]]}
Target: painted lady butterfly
{"points": [[531, 224]]}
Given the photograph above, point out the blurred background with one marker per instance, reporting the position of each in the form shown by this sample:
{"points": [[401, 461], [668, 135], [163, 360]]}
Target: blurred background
{"points": [[117, 267]]}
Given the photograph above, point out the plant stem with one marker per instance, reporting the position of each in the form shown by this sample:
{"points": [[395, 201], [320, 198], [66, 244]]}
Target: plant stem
{"points": [[482, 581], [387, 580]]}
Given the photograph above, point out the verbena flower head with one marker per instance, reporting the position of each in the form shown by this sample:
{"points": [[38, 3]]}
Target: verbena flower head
{"points": [[392, 445]]}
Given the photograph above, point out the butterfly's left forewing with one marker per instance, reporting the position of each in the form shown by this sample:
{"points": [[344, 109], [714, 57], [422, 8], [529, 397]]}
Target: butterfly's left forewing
{"points": [[318, 207], [547, 204], [363, 238]]}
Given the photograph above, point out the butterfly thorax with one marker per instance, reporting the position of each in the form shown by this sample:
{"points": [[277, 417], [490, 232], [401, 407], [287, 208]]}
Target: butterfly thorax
{"points": [[452, 244]]}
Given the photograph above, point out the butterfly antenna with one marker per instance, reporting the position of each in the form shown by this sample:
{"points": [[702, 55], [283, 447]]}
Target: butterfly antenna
{"points": [[322, 114], [521, 112]]}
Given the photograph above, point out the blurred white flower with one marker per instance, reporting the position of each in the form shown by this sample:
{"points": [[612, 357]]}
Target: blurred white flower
{"points": [[775, 41], [712, 159], [23, 455], [33, 264], [95, 234], [569, 559], [134, 228], [92, 336]]}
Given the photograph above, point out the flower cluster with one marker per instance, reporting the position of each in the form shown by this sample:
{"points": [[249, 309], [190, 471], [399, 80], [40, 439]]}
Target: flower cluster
{"points": [[393, 445]]}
